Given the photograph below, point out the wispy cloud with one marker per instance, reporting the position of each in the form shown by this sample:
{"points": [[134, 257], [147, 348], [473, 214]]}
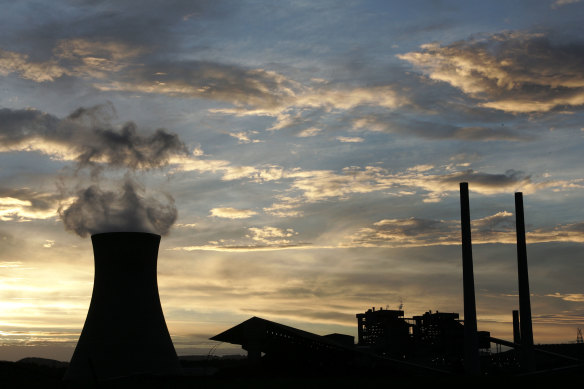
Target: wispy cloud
{"points": [[308, 132], [311, 186], [561, 3], [12, 62], [244, 136], [285, 207], [303, 101], [272, 235], [265, 238], [497, 228], [232, 213], [237, 85], [574, 297], [390, 123], [349, 139], [500, 71], [74, 57], [117, 66], [26, 204]]}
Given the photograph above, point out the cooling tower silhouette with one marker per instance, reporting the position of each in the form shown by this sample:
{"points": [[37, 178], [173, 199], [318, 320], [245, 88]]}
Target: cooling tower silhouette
{"points": [[125, 332]]}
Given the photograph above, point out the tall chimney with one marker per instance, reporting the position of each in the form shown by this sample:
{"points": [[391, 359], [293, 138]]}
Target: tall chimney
{"points": [[527, 357], [471, 340], [125, 332], [516, 329]]}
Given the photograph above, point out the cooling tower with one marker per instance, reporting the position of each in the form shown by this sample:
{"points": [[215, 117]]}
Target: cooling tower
{"points": [[124, 333]]}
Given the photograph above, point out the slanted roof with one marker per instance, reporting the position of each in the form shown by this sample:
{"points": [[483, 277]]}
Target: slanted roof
{"points": [[269, 335]]}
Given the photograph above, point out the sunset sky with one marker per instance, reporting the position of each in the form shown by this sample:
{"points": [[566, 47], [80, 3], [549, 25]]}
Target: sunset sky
{"points": [[301, 159]]}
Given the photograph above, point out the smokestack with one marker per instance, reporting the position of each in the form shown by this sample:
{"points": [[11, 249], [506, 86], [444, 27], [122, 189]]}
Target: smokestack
{"points": [[527, 357], [471, 340], [125, 332], [516, 330]]}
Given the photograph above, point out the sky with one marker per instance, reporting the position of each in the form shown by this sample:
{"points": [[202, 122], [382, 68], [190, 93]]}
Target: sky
{"points": [[300, 159]]}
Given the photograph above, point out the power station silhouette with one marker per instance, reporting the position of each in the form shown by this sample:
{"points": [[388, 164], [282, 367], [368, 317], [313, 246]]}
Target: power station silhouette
{"points": [[125, 333], [435, 342]]}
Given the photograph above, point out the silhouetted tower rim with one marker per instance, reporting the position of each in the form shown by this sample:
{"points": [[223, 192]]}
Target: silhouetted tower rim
{"points": [[125, 332], [471, 341], [110, 233]]}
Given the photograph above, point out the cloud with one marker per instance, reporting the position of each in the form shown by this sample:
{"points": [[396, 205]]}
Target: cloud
{"points": [[24, 204], [113, 64], [286, 207], [318, 315], [253, 92], [421, 168], [511, 71], [196, 162], [498, 228], [72, 57], [232, 213], [96, 210], [271, 235], [237, 248], [319, 185], [185, 225], [94, 59], [403, 233], [209, 80], [255, 239], [564, 233], [309, 132], [148, 25], [347, 98], [561, 3], [486, 183], [12, 62], [391, 123], [574, 297], [305, 101], [347, 139], [87, 137], [311, 186], [244, 136]]}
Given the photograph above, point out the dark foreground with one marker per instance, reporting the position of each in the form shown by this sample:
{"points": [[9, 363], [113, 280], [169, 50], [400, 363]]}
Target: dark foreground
{"points": [[35, 373]]}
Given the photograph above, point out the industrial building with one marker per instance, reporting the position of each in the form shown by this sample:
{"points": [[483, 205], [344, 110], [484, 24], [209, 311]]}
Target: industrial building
{"points": [[433, 336], [283, 347], [434, 340]]}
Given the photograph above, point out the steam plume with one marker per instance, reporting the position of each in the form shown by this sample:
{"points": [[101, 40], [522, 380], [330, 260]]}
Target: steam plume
{"points": [[96, 210], [88, 138]]}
